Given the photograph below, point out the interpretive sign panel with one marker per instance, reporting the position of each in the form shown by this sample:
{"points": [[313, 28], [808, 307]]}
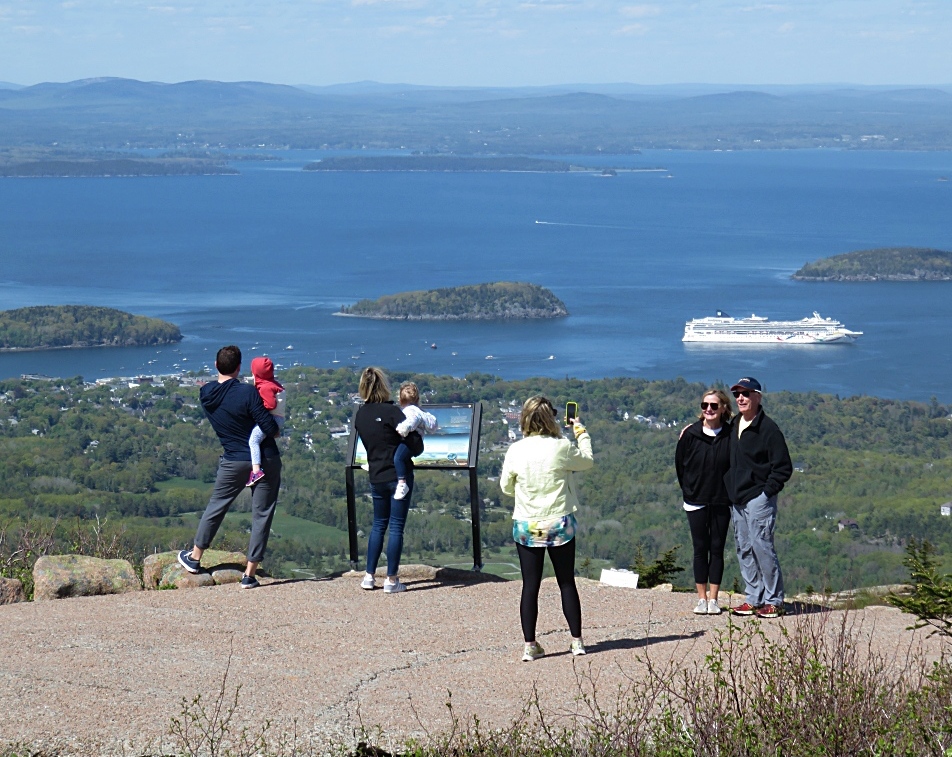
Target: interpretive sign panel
{"points": [[450, 446]]}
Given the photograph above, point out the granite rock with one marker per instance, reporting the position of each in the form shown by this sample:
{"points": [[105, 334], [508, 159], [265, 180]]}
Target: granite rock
{"points": [[61, 576]]}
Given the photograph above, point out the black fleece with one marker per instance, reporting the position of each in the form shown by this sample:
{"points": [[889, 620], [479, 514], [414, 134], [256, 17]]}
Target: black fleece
{"points": [[234, 409], [376, 423], [760, 461], [701, 462]]}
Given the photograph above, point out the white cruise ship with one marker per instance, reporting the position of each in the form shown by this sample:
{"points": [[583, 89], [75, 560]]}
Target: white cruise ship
{"points": [[759, 330]]}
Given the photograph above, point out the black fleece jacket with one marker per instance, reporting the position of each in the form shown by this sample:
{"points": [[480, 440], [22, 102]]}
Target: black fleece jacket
{"points": [[760, 462], [376, 423], [701, 462], [234, 409]]}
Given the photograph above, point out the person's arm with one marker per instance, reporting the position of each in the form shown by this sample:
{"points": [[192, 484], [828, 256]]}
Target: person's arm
{"points": [[262, 417], [507, 478], [579, 458], [429, 421], [781, 468], [679, 453]]}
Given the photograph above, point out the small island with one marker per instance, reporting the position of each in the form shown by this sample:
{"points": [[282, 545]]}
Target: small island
{"points": [[477, 302], [881, 264], [50, 327], [456, 163]]}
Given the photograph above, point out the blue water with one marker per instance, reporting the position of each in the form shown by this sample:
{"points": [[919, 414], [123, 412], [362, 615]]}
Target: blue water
{"points": [[265, 258]]}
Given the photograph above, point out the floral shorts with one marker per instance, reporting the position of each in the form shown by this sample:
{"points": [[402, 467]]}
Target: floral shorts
{"points": [[553, 532]]}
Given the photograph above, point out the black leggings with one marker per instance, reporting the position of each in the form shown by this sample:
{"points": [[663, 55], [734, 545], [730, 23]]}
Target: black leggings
{"points": [[709, 527], [532, 561]]}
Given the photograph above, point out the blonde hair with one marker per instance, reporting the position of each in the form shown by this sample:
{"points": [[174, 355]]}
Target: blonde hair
{"points": [[538, 417], [374, 386], [723, 404], [409, 393]]}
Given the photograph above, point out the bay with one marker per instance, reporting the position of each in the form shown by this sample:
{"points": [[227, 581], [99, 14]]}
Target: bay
{"points": [[265, 259]]}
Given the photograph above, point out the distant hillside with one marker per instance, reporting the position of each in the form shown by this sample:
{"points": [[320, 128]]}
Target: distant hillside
{"points": [[882, 264], [438, 163], [114, 167], [500, 300], [57, 326], [115, 113]]}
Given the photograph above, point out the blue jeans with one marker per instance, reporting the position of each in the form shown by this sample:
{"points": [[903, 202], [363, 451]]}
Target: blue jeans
{"points": [[392, 513], [401, 460]]}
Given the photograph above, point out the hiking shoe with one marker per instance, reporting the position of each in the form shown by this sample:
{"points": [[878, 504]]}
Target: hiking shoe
{"points": [[745, 609], [402, 490], [713, 608], [577, 648], [701, 608], [770, 611], [255, 478], [368, 582], [393, 588], [188, 562], [533, 651], [249, 582]]}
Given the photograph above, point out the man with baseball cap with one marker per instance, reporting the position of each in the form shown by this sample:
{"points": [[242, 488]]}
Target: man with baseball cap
{"points": [[760, 465]]}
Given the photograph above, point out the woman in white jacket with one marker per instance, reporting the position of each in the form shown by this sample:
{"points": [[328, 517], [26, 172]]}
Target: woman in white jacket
{"points": [[538, 471]]}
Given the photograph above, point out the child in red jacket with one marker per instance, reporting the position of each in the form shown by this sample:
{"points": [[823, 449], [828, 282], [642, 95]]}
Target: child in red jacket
{"points": [[272, 395]]}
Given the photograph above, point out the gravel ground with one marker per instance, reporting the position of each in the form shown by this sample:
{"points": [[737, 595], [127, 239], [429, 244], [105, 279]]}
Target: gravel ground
{"points": [[329, 661]]}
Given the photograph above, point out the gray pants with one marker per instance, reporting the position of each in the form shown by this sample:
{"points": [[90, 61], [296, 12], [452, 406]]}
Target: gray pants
{"points": [[754, 525], [229, 483]]}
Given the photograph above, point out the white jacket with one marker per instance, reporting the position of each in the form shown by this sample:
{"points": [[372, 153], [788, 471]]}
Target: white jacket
{"points": [[538, 470]]}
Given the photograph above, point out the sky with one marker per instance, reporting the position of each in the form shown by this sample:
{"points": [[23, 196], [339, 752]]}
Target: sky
{"points": [[479, 42]]}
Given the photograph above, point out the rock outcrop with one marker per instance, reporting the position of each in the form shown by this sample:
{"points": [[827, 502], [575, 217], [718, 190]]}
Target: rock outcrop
{"points": [[11, 590], [60, 576], [162, 570]]}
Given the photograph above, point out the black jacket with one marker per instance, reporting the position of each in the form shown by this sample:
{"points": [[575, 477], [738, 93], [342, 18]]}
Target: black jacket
{"points": [[234, 409], [701, 462], [377, 422], [760, 462]]}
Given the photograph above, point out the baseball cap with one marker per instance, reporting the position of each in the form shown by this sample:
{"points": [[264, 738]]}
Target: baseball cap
{"points": [[748, 383]]}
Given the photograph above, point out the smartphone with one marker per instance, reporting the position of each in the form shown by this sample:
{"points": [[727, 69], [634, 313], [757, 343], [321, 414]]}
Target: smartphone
{"points": [[571, 412]]}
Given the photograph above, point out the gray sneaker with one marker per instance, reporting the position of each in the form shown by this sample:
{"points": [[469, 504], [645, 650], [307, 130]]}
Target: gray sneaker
{"points": [[368, 582], [393, 588]]}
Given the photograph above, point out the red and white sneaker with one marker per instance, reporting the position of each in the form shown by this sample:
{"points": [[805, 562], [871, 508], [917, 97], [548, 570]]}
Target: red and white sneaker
{"points": [[745, 609]]}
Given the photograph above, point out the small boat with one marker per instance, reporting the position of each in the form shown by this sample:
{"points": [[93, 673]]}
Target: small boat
{"points": [[433, 346], [490, 357], [551, 357], [289, 347]]}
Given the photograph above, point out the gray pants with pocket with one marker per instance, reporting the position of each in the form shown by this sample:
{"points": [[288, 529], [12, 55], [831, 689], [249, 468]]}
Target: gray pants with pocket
{"points": [[229, 483], [754, 525]]}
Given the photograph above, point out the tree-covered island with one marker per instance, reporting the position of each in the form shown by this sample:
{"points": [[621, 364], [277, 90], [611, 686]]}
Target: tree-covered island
{"points": [[499, 300], [59, 326], [881, 264], [450, 163]]}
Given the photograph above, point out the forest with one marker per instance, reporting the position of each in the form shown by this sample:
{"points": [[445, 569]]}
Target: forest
{"points": [[502, 299], [53, 326], [139, 462], [881, 264]]}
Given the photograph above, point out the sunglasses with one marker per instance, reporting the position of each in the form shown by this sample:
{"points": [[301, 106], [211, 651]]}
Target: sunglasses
{"points": [[711, 405], [741, 393]]}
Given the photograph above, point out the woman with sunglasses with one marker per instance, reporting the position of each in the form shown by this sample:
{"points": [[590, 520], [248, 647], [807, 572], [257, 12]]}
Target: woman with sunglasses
{"points": [[538, 472], [701, 460]]}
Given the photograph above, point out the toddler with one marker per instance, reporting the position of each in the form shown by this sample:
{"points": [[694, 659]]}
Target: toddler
{"points": [[272, 395], [416, 420]]}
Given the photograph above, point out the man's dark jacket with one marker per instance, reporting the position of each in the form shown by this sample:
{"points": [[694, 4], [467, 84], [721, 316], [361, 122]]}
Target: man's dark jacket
{"points": [[700, 461], [234, 409], [760, 462]]}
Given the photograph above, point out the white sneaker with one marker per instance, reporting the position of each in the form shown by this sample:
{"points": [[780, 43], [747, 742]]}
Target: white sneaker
{"points": [[577, 648], [393, 588], [713, 608], [701, 608], [402, 490], [368, 582]]}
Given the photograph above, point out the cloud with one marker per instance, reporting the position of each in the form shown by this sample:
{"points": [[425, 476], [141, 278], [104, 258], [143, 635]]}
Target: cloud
{"points": [[404, 3], [772, 7], [640, 11], [631, 30]]}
